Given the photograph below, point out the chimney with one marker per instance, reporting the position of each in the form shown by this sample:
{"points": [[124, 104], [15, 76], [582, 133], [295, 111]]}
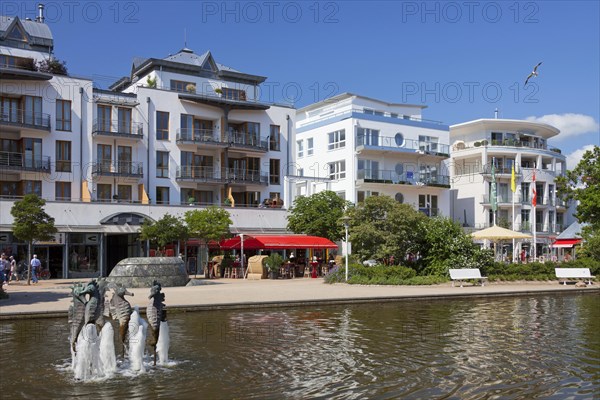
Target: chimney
{"points": [[40, 17], [496, 113]]}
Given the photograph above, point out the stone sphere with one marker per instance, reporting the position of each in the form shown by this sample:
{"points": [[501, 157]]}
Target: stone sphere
{"points": [[136, 272]]}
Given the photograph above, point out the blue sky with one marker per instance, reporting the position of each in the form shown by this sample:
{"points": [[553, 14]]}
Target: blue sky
{"points": [[462, 59]]}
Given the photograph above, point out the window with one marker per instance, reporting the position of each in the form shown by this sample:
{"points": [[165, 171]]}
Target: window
{"points": [[399, 139], [367, 137], [428, 143], [233, 94], [33, 153], [104, 158], [62, 191], [399, 197], [181, 86], [162, 195], [104, 118], [309, 147], [103, 192], [124, 192], [368, 169], [525, 220], [362, 195], [63, 115], [33, 110], [337, 170], [337, 139], [274, 171], [300, 148], [525, 195], [63, 156], [124, 120], [368, 111], [32, 187], [341, 195], [275, 138], [428, 204], [162, 164], [162, 125], [125, 165]]}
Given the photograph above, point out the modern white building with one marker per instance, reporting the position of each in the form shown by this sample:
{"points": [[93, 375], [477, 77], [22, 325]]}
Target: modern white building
{"points": [[361, 147], [479, 144], [177, 133]]}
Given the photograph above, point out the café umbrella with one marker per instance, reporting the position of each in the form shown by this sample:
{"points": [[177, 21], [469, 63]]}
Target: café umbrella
{"points": [[497, 233]]}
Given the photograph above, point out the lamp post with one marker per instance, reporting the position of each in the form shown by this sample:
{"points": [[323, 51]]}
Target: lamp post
{"points": [[346, 222]]}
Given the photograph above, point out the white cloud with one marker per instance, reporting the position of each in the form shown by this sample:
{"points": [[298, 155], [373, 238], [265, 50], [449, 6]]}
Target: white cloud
{"points": [[576, 156], [570, 124]]}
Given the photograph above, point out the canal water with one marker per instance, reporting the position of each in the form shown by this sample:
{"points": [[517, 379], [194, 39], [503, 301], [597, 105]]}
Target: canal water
{"points": [[544, 346]]}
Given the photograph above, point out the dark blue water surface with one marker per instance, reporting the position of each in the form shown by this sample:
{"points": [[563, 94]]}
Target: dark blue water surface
{"points": [[545, 346]]}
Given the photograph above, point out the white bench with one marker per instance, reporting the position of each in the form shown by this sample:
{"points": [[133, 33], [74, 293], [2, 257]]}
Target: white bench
{"points": [[466, 273], [574, 273]]}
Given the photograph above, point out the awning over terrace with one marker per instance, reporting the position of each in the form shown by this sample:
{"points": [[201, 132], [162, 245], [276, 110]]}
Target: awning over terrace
{"points": [[278, 242], [568, 243]]}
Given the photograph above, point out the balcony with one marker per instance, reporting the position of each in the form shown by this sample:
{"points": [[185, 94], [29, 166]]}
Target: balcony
{"points": [[134, 130], [24, 119], [246, 177], [120, 168], [501, 199], [207, 137], [247, 141], [406, 178], [398, 143], [200, 174], [459, 145], [23, 162]]}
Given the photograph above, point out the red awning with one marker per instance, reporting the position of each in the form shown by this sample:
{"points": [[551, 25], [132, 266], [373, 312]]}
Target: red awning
{"points": [[278, 242], [565, 242]]}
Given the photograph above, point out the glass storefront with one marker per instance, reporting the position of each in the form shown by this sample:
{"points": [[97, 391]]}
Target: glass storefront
{"points": [[83, 252]]}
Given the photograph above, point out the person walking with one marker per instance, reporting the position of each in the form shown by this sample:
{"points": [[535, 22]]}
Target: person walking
{"points": [[13, 270], [3, 269], [35, 264]]}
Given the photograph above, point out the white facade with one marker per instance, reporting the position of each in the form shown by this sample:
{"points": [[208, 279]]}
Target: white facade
{"points": [[105, 160], [360, 147], [476, 146]]}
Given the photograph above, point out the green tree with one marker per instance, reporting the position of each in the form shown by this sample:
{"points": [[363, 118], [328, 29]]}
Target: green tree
{"points": [[381, 227], [166, 230], [211, 223], [31, 223], [448, 246], [582, 184], [53, 66], [318, 215]]}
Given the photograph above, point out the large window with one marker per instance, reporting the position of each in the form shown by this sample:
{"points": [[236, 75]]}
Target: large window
{"points": [[62, 191], [162, 195], [162, 164], [275, 138], [124, 192], [274, 171], [181, 86], [33, 153], [337, 139], [124, 120], [63, 156], [367, 137], [63, 115], [233, 94], [33, 110], [32, 187], [104, 118], [309, 146], [337, 170], [162, 125], [104, 157], [428, 204]]}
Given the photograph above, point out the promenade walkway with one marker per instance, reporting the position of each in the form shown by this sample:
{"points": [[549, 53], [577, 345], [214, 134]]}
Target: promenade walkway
{"points": [[52, 298]]}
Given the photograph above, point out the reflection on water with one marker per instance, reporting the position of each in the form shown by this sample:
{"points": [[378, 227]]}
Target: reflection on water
{"points": [[521, 347]]}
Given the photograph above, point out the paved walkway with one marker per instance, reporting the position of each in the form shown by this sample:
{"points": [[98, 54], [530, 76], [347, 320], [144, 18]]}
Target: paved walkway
{"points": [[52, 298]]}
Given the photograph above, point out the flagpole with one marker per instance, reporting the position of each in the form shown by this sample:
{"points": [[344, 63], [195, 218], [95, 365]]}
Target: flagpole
{"points": [[534, 203], [513, 187]]}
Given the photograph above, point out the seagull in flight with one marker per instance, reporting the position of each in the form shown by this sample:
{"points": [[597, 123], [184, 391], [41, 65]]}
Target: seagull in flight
{"points": [[533, 73]]}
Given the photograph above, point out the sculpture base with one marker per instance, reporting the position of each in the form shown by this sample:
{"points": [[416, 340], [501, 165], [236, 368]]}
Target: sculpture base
{"points": [[139, 272]]}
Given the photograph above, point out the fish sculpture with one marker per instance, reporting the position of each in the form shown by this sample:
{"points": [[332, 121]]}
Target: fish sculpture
{"points": [[77, 312], [155, 313], [93, 307], [121, 310]]}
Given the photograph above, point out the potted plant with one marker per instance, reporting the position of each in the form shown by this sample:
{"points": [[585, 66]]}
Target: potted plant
{"points": [[191, 88], [227, 202], [151, 82], [192, 200], [273, 263], [219, 91]]}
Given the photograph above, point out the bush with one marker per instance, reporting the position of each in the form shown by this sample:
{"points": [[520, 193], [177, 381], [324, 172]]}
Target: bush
{"points": [[53, 66], [381, 275]]}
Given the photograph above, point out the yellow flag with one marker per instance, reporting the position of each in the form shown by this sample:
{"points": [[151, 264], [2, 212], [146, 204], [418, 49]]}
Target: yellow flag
{"points": [[513, 180]]}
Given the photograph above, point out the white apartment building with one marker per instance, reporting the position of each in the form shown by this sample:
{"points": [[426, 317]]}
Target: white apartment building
{"points": [[479, 144], [361, 147], [194, 134]]}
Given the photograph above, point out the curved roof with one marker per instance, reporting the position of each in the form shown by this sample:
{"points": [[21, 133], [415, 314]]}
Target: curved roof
{"points": [[514, 125], [275, 242]]}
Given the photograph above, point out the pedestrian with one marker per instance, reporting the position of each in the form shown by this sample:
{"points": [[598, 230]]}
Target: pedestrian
{"points": [[13, 269], [3, 266], [35, 264]]}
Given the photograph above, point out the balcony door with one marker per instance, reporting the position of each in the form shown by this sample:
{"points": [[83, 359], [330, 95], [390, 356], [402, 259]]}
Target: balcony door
{"points": [[124, 158], [104, 119], [104, 157], [124, 120], [10, 110], [32, 152]]}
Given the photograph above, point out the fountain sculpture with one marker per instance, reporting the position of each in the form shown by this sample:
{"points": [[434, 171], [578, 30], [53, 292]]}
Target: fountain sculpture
{"points": [[93, 353]]}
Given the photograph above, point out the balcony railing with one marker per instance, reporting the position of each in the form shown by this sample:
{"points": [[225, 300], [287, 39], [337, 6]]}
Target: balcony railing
{"points": [[243, 139], [406, 178], [133, 129], [398, 142], [459, 145], [206, 136], [20, 161], [20, 117], [201, 174], [119, 168], [501, 198], [236, 175]]}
